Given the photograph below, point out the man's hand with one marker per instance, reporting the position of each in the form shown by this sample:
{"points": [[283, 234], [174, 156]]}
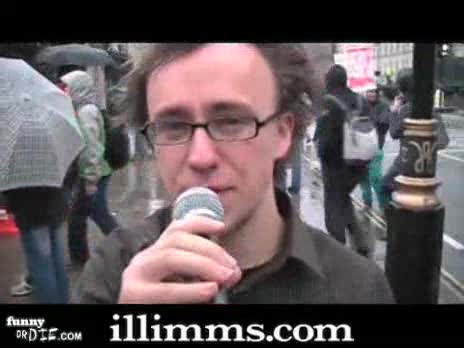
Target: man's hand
{"points": [[91, 188], [397, 102], [181, 267]]}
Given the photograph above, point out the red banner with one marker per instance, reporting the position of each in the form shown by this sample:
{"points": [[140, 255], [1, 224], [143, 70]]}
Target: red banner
{"points": [[358, 59]]}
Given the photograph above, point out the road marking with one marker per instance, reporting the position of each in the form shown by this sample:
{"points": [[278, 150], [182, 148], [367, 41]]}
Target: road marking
{"points": [[455, 244], [453, 281], [451, 157], [379, 222]]}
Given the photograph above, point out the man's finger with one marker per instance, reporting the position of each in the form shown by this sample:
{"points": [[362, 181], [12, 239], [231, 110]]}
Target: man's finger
{"points": [[172, 293], [167, 262], [197, 225], [199, 245]]}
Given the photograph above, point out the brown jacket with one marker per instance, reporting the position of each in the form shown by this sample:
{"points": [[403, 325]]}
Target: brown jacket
{"points": [[310, 268]]}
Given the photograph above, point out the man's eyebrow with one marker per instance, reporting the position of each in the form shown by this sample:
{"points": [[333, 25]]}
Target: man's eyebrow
{"points": [[179, 112], [171, 112], [231, 107]]}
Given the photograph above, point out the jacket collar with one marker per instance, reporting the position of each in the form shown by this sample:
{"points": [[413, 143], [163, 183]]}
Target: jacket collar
{"points": [[299, 241]]}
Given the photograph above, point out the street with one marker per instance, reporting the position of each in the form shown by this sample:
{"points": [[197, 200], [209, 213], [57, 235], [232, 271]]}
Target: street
{"points": [[450, 167]]}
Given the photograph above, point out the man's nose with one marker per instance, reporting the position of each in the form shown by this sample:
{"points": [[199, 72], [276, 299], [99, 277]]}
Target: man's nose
{"points": [[202, 151]]}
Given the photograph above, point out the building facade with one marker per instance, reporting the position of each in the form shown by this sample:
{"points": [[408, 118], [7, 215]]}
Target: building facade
{"points": [[391, 57]]}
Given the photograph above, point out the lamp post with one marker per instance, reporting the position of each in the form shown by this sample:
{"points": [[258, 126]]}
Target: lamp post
{"points": [[415, 216]]}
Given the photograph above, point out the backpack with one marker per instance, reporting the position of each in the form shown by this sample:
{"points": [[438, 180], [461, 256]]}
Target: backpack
{"points": [[116, 145], [360, 140]]}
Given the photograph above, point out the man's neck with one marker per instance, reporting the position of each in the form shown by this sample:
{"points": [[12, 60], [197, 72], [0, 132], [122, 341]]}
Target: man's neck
{"points": [[259, 239]]}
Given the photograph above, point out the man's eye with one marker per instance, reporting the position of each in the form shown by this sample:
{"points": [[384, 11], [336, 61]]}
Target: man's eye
{"points": [[172, 126], [229, 124], [172, 131], [232, 122]]}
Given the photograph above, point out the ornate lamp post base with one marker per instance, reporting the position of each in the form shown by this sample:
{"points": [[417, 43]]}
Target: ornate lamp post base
{"points": [[415, 218]]}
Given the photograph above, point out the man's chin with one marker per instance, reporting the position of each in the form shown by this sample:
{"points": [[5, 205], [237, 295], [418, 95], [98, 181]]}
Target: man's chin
{"points": [[226, 196], [235, 219]]}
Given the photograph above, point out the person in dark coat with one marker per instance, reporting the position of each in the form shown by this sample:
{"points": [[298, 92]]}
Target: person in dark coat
{"points": [[37, 211], [339, 179], [401, 109]]}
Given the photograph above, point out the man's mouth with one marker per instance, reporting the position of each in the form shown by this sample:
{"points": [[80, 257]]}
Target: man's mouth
{"points": [[219, 190], [216, 189]]}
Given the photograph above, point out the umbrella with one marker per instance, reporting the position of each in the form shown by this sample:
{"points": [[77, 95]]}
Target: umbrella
{"points": [[74, 54], [39, 133]]}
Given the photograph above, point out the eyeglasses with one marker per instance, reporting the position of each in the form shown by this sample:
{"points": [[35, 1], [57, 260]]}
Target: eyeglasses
{"points": [[229, 129]]}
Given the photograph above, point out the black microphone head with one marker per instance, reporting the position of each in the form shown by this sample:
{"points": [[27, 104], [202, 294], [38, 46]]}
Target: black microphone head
{"points": [[198, 201]]}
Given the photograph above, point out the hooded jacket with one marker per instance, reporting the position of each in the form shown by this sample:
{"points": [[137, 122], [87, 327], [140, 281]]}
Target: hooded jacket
{"points": [[379, 113], [92, 164], [329, 131], [34, 207]]}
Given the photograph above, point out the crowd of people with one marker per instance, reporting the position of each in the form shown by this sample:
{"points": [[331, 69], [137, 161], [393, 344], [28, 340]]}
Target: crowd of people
{"points": [[231, 125], [43, 213]]}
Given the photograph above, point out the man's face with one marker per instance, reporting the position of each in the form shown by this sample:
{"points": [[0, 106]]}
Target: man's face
{"points": [[220, 80], [371, 96]]}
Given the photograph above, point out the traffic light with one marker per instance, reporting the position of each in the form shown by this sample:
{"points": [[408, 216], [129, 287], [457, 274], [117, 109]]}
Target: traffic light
{"points": [[444, 50]]}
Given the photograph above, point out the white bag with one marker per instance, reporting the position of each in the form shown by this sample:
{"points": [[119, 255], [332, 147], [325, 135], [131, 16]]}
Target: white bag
{"points": [[360, 139]]}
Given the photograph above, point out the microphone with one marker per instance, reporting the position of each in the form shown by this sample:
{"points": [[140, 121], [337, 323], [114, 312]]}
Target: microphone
{"points": [[200, 201]]}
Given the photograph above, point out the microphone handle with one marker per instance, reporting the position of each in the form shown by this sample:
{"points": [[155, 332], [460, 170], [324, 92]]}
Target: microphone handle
{"points": [[221, 298]]}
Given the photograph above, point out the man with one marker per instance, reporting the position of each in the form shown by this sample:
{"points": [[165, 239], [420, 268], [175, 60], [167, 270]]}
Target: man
{"points": [[225, 116], [295, 177], [380, 114], [340, 179], [401, 109], [94, 171]]}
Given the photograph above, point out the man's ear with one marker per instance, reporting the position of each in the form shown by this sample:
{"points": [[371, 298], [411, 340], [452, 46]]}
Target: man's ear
{"points": [[285, 128]]}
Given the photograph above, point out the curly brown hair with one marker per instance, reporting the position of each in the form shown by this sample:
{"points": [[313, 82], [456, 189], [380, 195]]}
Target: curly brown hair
{"points": [[297, 82]]}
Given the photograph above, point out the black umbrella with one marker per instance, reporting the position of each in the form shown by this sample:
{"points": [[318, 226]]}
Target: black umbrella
{"points": [[74, 54]]}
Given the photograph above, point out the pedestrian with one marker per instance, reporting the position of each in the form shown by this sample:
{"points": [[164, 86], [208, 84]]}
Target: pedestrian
{"points": [[294, 168], [379, 113], [227, 124], [297, 159], [40, 214], [339, 178], [94, 171], [37, 171], [25, 284], [401, 109]]}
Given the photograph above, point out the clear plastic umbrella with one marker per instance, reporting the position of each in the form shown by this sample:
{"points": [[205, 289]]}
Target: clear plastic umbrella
{"points": [[39, 134]]}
